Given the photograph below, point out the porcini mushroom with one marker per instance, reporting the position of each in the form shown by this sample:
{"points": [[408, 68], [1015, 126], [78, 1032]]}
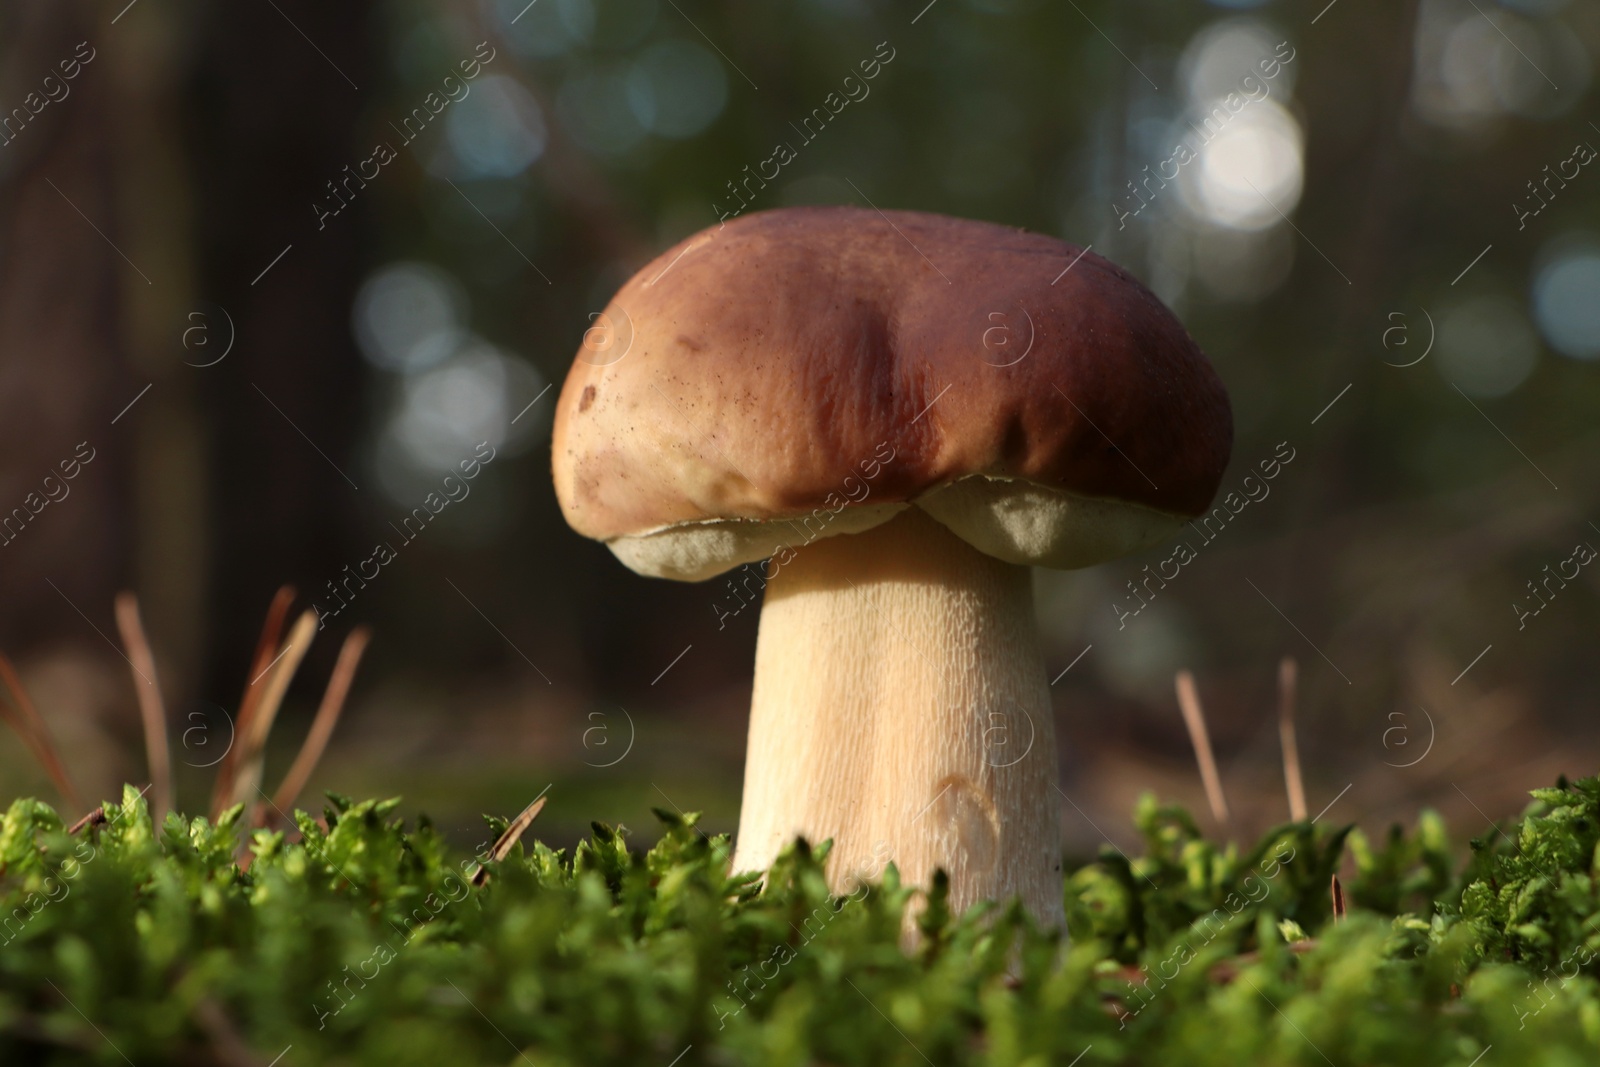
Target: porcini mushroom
{"points": [[900, 413]]}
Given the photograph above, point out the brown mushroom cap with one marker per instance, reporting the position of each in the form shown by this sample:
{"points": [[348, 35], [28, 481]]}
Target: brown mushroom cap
{"points": [[836, 363]]}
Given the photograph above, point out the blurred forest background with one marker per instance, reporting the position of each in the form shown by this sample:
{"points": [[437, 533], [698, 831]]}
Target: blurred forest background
{"points": [[1399, 221]]}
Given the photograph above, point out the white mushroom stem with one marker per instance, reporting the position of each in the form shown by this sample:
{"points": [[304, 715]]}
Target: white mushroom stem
{"points": [[901, 709]]}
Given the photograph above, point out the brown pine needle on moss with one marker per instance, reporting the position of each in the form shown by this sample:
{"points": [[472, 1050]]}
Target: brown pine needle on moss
{"points": [[344, 672], [94, 818], [98, 816], [274, 683], [151, 709], [24, 718], [504, 843], [266, 648], [1288, 672], [1338, 900], [1194, 717]]}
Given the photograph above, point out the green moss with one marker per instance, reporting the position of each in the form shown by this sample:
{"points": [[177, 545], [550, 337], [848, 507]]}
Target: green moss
{"points": [[365, 943]]}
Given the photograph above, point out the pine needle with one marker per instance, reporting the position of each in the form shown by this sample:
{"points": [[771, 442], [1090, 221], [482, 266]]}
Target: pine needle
{"points": [[274, 682], [266, 648], [1338, 900], [1194, 717], [151, 710], [98, 816], [344, 672], [25, 720], [1288, 672], [506, 841]]}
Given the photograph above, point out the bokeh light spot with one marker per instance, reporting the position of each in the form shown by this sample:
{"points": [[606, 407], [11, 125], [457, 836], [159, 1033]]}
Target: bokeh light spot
{"points": [[1219, 58], [1566, 302], [408, 316], [545, 29], [1485, 346], [498, 131], [676, 88], [1250, 170], [446, 412]]}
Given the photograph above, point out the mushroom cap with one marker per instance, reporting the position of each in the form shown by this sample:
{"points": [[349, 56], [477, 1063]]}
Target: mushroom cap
{"points": [[809, 372]]}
